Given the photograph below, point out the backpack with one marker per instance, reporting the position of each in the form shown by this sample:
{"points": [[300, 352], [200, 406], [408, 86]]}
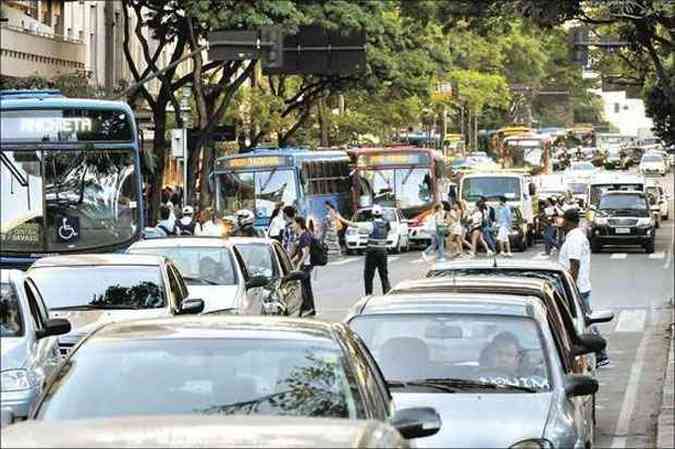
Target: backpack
{"points": [[318, 253]]}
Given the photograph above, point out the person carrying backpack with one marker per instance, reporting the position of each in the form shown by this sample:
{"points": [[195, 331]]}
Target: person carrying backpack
{"points": [[187, 224], [166, 225], [376, 252], [302, 262]]}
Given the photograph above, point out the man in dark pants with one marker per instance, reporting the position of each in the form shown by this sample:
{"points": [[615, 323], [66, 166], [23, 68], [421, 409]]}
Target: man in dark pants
{"points": [[376, 253]]}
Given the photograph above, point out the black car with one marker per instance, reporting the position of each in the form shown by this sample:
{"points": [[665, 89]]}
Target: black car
{"points": [[623, 218], [225, 366]]}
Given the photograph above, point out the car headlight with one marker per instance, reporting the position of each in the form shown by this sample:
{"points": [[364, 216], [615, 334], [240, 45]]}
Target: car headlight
{"points": [[600, 220], [17, 380], [352, 231], [534, 443], [644, 221]]}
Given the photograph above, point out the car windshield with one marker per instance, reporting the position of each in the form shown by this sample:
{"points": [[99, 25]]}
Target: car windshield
{"points": [[104, 287], [582, 166], [618, 201], [197, 264], [652, 158], [259, 260], [107, 378], [367, 215], [259, 190], [490, 187], [11, 320], [406, 188], [496, 350], [67, 200]]}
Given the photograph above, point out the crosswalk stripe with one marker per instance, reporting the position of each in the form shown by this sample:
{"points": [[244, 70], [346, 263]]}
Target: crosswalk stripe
{"points": [[618, 256], [343, 261], [631, 321], [658, 255]]}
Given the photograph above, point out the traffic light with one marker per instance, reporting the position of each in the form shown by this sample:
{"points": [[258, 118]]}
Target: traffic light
{"points": [[578, 42]]}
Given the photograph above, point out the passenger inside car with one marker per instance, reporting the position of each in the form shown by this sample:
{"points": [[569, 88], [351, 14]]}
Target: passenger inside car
{"points": [[10, 317]]}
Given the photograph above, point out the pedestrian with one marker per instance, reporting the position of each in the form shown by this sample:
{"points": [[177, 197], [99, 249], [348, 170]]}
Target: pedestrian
{"points": [[476, 231], [504, 223], [302, 262], [376, 251], [186, 224], [440, 228], [488, 223], [330, 235], [212, 226], [575, 256], [245, 224], [277, 223], [288, 236], [457, 229], [547, 216], [166, 225]]}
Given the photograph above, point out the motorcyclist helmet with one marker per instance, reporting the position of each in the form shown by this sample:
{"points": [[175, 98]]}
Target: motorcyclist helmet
{"points": [[245, 218]]}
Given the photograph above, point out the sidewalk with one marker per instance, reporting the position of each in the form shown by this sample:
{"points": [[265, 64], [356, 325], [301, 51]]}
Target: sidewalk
{"points": [[665, 430]]}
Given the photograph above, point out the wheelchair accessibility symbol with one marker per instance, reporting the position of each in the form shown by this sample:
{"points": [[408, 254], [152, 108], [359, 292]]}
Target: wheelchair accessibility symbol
{"points": [[68, 229]]}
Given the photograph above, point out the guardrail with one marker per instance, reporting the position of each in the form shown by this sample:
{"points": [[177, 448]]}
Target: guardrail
{"points": [[52, 36]]}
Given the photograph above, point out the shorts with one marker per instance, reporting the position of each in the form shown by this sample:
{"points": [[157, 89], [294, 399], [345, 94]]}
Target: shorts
{"points": [[457, 229], [503, 234]]}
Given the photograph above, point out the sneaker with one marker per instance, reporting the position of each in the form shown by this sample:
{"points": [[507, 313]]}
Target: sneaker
{"points": [[490, 253], [509, 254], [604, 363]]}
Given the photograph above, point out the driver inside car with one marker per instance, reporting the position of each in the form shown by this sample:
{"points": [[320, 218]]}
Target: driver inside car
{"points": [[502, 355], [210, 270]]}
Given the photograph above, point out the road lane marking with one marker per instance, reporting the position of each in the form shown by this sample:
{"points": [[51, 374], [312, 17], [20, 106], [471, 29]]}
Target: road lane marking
{"points": [[618, 256], [420, 260], [344, 261], [631, 321], [629, 399], [657, 255]]}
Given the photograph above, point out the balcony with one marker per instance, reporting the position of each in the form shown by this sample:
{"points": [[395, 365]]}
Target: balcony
{"points": [[26, 52]]}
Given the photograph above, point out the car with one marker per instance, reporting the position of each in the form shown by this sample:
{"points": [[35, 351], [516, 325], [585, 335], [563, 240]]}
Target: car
{"points": [[499, 368], [653, 164], [30, 348], [225, 365], [580, 170], [181, 431], [398, 239], [268, 265], [658, 201], [579, 191], [614, 158], [623, 218], [215, 270], [89, 289]]}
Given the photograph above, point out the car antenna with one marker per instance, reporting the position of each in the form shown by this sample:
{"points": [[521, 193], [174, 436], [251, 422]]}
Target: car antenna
{"points": [[494, 259]]}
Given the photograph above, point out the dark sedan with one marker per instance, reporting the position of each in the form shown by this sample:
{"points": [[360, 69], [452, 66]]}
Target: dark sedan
{"points": [[225, 366]]}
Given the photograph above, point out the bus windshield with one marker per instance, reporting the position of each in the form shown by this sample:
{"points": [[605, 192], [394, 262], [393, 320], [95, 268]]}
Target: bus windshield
{"points": [[491, 187], [259, 190], [405, 188], [67, 200]]}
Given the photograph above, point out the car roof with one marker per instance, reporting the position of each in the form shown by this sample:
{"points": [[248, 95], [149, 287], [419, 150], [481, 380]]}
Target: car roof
{"points": [[454, 302], [623, 192], [218, 327], [98, 260], [537, 265], [616, 178], [250, 240], [481, 283], [196, 431], [182, 242]]}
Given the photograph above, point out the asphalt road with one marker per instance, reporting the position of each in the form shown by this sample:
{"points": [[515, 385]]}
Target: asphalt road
{"points": [[638, 287]]}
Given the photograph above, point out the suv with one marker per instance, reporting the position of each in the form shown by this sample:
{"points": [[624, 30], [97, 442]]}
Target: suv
{"points": [[622, 218]]}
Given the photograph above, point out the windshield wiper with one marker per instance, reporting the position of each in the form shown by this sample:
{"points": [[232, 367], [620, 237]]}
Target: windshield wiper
{"points": [[416, 383], [468, 384], [407, 175], [97, 307], [269, 178], [199, 280]]}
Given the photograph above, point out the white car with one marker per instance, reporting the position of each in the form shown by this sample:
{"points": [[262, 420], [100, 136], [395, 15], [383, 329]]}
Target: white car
{"points": [[653, 164], [580, 170], [397, 240]]}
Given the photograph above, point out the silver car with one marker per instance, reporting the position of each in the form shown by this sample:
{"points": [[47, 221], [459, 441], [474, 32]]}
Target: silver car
{"points": [[499, 369], [206, 431], [30, 350]]}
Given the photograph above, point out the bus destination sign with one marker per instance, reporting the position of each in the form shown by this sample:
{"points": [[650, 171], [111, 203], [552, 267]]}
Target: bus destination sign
{"points": [[254, 162], [393, 159]]}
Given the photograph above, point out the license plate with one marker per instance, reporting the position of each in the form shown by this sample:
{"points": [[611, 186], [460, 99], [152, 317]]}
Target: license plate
{"points": [[622, 230]]}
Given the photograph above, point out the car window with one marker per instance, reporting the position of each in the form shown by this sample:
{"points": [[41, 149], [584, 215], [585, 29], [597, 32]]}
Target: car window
{"points": [[208, 376], [259, 260], [374, 379], [107, 287], [488, 349], [174, 285], [283, 259], [11, 318], [42, 308]]}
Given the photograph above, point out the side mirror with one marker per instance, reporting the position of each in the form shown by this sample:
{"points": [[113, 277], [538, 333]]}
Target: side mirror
{"points": [[294, 276], [603, 316], [54, 326], [256, 282], [588, 344], [6, 416], [191, 306], [576, 385], [416, 422]]}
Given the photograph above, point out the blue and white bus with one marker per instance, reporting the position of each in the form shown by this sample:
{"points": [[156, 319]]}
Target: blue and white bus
{"points": [[70, 176], [299, 177]]}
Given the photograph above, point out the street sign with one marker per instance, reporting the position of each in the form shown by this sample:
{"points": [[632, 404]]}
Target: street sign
{"points": [[178, 142]]}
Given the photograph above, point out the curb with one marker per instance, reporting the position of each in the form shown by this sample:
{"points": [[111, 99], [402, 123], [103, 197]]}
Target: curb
{"points": [[665, 428]]}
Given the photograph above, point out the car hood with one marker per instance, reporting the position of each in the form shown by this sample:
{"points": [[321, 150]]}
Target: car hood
{"points": [[481, 420], [84, 321], [14, 352], [215, 297]]}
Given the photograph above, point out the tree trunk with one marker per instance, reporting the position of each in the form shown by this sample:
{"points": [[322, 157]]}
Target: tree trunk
{"points": [[159, 148], [323, 125]]}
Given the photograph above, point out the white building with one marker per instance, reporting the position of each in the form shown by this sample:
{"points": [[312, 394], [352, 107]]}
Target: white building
{"points": [[627, 114]]}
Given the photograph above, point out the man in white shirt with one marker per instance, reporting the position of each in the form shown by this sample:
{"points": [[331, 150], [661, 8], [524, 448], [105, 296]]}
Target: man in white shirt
{"points": [[575, 256]]}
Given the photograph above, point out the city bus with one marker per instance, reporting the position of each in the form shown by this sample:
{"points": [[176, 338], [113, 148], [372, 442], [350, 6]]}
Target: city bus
{"points": [[525, 151], [299, 177], [70, 176]]}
